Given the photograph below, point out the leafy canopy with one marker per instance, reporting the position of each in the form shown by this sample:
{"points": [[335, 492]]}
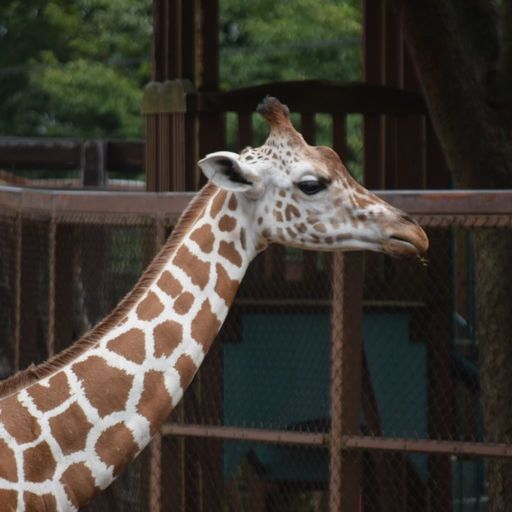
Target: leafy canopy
{"points": [[79, 68], [73, 68]]}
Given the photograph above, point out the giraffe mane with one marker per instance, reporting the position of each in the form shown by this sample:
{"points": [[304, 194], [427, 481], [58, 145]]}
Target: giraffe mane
{"points": [[34, 373]]}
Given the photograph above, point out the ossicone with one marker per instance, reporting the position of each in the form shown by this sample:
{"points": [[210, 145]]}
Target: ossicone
{"points": [[273, 110]]}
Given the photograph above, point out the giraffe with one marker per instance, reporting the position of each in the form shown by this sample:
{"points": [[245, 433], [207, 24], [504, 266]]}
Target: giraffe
{"points": [[68, 427]]}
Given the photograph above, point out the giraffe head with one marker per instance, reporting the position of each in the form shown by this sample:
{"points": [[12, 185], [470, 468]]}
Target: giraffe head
{"points": [[303, 196]]}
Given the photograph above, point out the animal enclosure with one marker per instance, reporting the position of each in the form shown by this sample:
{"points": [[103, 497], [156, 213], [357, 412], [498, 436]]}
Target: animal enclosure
{"points": [[335, 381], [304, 388]]}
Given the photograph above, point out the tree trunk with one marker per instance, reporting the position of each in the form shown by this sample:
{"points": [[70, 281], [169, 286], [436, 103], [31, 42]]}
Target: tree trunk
{"points": [[456, 76], [493, 258]]}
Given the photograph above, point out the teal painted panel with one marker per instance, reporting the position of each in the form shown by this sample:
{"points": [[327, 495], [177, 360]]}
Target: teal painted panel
{"points": [[279, 374], [278, 377]]}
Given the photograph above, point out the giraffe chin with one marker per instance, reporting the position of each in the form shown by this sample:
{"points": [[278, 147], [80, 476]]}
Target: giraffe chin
{"points": [[401, 248]]}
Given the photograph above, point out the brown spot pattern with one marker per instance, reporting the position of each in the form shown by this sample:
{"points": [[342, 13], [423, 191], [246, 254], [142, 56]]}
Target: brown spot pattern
{"points": [[197, 270], [233, 203], [320, 227], [225, 287], [131, 345], [302, 228], [169, 284], [116, 447], [46, 502], [9, 500], [184, 303], [79, 484], [48, 397], [227, 223], [228, 251], [38, 463], [217, 203], [70, 429], [106, 388], [150, 307], [291, 211], [204, 238], [186, 367], [18, 421], [167, 336], [7, 463], [155, 402], [205, 326], [291, 232], [278, 216]]}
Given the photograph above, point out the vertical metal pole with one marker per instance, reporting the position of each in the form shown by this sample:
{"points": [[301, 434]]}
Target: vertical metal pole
{"points": [[155, 474], [155, 464], [346, 369], [52, 235], [17, 312]]}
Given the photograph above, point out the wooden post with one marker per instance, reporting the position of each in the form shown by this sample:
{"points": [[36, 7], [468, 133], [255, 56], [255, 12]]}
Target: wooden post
{"points": [[346, 365], [92, 163], [185, 59], [373, 150]]}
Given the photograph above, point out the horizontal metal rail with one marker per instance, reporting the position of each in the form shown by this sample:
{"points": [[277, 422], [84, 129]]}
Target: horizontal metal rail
{"points": [[94, 202], [247, 434], [321, 439], [460, 448], [419, 203]]}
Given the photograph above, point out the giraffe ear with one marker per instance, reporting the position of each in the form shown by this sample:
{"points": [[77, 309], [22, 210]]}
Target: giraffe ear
{"points": [[225, 170]]}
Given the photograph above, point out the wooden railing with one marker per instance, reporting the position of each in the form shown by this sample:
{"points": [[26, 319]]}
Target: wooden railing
{"points": [[92, 157], [399, 144]]}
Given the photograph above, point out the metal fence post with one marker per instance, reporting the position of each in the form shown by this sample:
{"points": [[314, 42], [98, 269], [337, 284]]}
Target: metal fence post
{"points": [[346, 366]]}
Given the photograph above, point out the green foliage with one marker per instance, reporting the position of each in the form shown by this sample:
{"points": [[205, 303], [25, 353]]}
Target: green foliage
{"points": [[78, 68], [73, 68], [265, 40]]}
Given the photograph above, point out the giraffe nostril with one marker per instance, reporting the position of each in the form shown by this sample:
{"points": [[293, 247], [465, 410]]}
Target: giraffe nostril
{"points": [[409, 219]]}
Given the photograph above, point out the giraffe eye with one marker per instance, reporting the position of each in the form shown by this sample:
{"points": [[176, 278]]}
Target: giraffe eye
{"points": [[311, 187]]}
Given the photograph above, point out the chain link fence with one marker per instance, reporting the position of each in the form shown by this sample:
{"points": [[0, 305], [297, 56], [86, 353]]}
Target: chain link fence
{"points": [[347, 382]]}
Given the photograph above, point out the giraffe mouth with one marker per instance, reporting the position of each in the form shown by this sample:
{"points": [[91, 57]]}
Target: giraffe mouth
{"points": [[402, 246]]}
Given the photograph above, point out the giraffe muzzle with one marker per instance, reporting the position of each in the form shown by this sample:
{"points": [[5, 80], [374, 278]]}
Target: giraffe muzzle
{"points": [[405, 238]]}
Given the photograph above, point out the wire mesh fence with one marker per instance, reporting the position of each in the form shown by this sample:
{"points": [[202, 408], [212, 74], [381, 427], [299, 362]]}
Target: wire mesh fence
{"points": [[337, 382]]}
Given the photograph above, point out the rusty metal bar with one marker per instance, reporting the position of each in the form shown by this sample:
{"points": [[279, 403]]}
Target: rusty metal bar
{"points": [[428, 202], [336, 445], [17, 311], [460, 448], [155, 474], [346, 375], [348, 442], [106, 202], [52, 269], [247, 434]]}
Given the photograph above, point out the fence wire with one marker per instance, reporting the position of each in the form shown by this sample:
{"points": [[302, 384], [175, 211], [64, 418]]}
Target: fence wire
{"points": [[415, 373]]}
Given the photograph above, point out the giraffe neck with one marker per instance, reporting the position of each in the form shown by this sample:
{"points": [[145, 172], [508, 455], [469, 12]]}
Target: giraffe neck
{"points": [[68, 436]]}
